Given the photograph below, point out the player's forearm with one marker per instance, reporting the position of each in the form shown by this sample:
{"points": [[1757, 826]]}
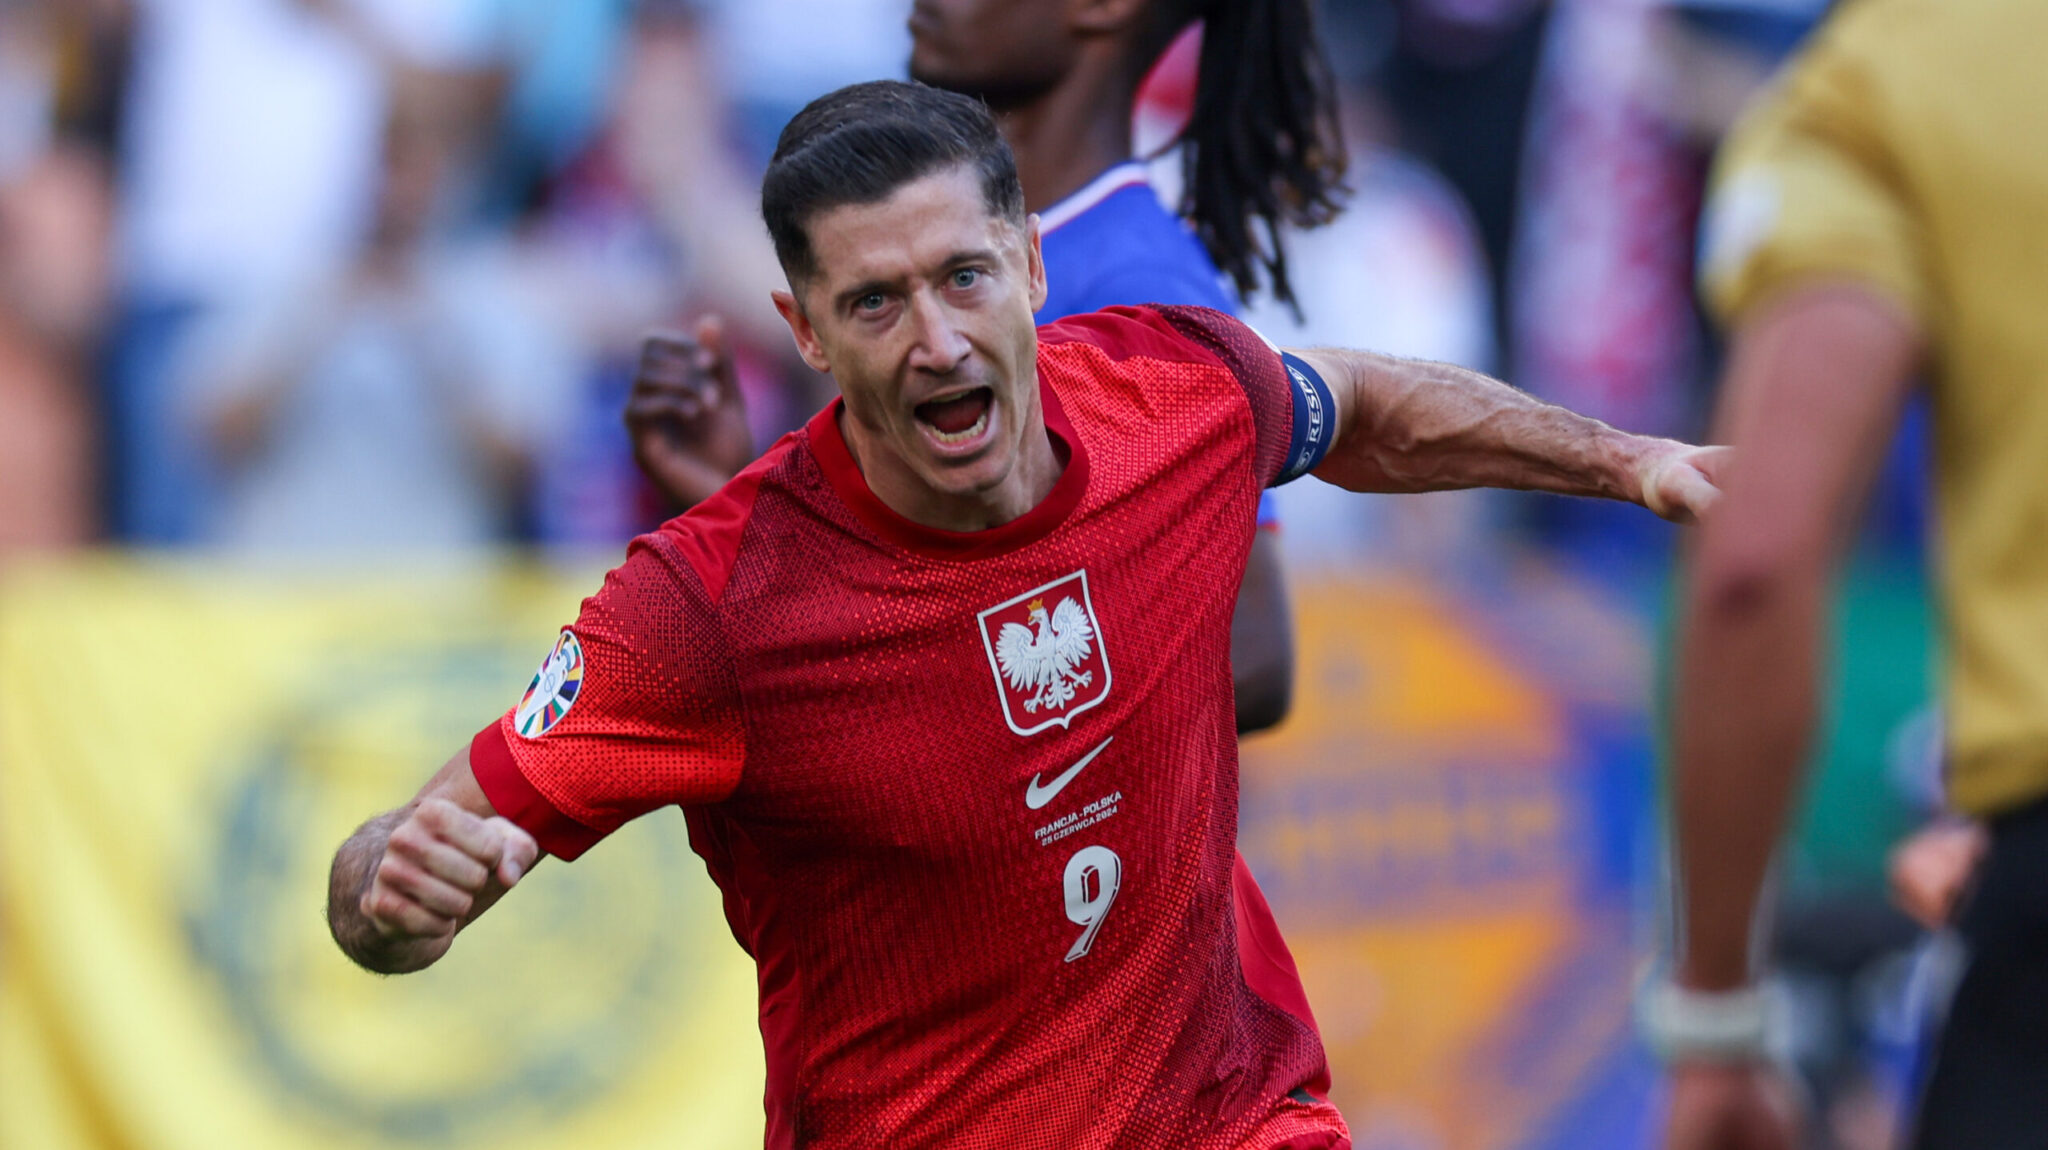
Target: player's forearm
{"points": [[1422, 426], [1743, 716]]}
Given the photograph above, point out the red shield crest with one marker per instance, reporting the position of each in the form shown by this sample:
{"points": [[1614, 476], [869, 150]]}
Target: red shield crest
{"points": [[1045, 649]]}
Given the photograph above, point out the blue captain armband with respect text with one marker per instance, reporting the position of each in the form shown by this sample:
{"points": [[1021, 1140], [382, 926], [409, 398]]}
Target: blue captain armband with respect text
{"points": [[1315, 414]]}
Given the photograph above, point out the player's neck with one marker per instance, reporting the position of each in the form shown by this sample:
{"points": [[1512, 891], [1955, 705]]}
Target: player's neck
{"points": [[1073, 134]]}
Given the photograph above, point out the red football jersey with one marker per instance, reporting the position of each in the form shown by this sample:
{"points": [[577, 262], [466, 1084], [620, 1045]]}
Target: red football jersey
{"points": [[971, 798]]}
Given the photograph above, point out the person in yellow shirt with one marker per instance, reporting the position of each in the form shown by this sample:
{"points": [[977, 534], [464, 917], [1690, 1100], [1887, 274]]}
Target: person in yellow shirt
{"points": [[1879, 220]]}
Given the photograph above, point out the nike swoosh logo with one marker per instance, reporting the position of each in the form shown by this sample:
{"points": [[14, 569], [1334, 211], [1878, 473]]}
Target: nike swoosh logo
{"points": [[1036, 795]]}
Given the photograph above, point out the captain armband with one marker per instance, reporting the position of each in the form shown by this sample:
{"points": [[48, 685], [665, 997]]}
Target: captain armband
{"points": [[1315, 412]]}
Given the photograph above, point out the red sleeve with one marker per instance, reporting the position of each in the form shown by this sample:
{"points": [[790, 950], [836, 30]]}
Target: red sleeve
{"points": [[634, 708], [1258, 368], [1205, 335]]}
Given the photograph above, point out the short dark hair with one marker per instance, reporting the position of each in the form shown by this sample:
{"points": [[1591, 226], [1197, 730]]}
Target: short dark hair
{"points": [[859, 144]]}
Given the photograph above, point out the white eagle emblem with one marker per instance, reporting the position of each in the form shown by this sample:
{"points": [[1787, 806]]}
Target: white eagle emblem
{"points": [[1047, 654], [1045, 663]]}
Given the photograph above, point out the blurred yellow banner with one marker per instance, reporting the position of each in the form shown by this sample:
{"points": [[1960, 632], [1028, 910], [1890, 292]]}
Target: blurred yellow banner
{"points": [[182, 745]]}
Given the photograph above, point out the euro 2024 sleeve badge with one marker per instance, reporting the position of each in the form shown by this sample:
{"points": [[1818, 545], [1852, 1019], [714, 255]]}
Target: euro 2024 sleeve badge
{"points": [[553, 690], [1045, 648]]}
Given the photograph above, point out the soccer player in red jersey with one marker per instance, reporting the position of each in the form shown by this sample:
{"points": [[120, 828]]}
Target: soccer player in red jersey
{"points": [[941, 682]]}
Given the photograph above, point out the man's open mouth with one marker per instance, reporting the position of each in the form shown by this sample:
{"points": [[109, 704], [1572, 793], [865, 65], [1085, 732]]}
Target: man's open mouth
{"points": [[959, 418]]}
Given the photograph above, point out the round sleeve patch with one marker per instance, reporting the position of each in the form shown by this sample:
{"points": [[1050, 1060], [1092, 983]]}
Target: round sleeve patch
{"points": [[553, 690]]}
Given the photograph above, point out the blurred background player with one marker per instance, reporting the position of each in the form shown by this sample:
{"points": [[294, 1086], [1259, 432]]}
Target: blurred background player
{"points": [[1260, 149], [220, 208], [1879, 217]]}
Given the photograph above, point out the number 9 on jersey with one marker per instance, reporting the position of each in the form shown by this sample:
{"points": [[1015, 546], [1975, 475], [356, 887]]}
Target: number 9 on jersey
{"points": [[1093, 875]]}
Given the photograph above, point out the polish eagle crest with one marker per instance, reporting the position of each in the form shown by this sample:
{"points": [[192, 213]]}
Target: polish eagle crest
{"points": [[1045, 662]]}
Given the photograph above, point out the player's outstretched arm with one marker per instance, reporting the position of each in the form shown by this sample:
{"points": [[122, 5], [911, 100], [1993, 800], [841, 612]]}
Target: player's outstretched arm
{"points": [[1405, 425], [406, 881]]}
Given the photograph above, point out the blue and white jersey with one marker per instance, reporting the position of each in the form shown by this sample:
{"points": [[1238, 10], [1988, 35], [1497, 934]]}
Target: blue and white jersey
{"points": [[1113, 243]]}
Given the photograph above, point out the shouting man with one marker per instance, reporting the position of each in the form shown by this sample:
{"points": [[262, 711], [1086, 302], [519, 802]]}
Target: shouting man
{"points": [[942, 681]]}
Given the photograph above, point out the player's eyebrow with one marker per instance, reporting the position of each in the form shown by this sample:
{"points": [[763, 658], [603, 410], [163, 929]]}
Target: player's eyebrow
{"points": [[980, 256], [972, 256]]}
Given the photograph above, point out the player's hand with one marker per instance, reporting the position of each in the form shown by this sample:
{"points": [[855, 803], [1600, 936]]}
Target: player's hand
{"points": [[685, 415], [1682, 483], [439, 867], [1930, 870], [1717, 1106]]}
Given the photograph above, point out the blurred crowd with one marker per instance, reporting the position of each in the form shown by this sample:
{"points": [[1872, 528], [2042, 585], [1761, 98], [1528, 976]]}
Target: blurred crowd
{"points": [[337, 275], [343, 277]]}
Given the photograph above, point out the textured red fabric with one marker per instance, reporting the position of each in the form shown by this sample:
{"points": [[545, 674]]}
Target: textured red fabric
{"points": [[712, 543], [1138, 331], [490, 760], [913, 848], [658, 717]]}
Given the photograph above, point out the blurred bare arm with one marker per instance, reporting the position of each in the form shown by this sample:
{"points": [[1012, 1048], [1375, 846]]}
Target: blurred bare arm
{"points": [[1262, 640], [237, 422], [1815, 384], [55, 226], [671, 143], [408, 880], [1813, 392], [1405, 425]]}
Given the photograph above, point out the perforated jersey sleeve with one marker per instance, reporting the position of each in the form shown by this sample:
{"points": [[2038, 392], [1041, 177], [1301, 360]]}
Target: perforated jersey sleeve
{"points": [[1806, 187], [634, 708], [1291, 404]]}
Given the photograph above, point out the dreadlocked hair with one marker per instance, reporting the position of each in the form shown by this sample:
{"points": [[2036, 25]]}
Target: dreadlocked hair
{"points": [[1262, 147]]}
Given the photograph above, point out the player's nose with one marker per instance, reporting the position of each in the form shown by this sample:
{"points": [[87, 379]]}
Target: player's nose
{"points": [[938, 345]]}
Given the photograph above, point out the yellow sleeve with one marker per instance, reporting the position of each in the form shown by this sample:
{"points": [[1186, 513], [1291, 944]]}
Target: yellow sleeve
{"points": [[1807, 186]]}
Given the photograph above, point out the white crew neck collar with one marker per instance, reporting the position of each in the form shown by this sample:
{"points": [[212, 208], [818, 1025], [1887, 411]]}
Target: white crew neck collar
{"points": [[1094, 192]]}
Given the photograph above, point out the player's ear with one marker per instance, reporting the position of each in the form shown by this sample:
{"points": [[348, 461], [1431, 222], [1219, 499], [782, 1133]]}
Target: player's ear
{"points": [[807, 344], [1035, 255]]}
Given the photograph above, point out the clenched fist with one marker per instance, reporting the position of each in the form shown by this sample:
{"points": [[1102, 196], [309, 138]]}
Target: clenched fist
{"points": [[438, 868], [685, 415], [1683, 483]]}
